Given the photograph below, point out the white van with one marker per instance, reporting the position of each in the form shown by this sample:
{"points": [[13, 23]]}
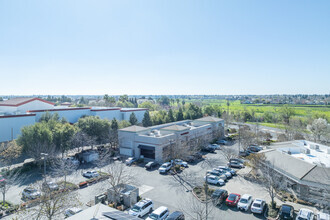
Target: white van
{"points": [[159, 214], [142, 208]]}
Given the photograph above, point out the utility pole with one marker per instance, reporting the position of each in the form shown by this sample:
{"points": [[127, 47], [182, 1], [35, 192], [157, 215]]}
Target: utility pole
{"points": [[206, 189]]}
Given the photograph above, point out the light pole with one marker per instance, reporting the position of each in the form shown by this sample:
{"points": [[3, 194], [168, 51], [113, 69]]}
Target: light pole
{"points": [[45, 155], [206, 189]]}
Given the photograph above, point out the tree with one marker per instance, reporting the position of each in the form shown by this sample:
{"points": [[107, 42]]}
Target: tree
{"points": [[132, 119], [146, 121], [119, 175], [148, 105], [228, 153], [318, 128], [164, 100], [61, 167], [36, 139], [123, 98], [12, 178], [62, 136], [10, 152], [286, 113], [171, 116], [195, 209], [179, 115], [81, 139], [124, 124], [94, 127]]}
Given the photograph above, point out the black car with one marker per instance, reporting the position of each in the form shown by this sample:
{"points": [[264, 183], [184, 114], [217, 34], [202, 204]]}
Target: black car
{"points": [[219, 196], [286, 212], [208, 149], [150, 165], [244, 153], [176, 216], [254, 148]]}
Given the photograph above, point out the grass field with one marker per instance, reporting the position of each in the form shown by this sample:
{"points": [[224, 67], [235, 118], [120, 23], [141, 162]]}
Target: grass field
{"points": [[303, 112]]}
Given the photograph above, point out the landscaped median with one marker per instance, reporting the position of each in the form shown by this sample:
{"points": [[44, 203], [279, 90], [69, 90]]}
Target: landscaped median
{"points": [[101, 177]]}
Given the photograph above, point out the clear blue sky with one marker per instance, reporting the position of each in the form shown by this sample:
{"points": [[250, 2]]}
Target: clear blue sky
{"points": [[164, 47]]}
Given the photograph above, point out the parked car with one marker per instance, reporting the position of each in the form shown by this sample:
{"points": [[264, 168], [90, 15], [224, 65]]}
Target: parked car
{"points": [[224, 142], [141, 208], [217, 174], [258, 206], [159, 214], [130, 160], [233, 172], [286, 212], [233, 199], [235, 164], [238, 160], [245, 202], [30, 193], [165, 167], [219, 196], [322, 216], [225, 172], [194, 157], [211, 179], [305, 214], [255, 148], [151, 165], [208, 149], [244, 153], [73, 161], [91, 174], [49, 186], [215, 146], [180, 162], [177, 215], [72, 211]]}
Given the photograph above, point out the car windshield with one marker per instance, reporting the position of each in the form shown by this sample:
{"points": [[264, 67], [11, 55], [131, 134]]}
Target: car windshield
{"points": [[232, 197], [302, 218], [136, 208], [164, 165], [286, 209], [243, 201], [153, 216], [257, 205]]}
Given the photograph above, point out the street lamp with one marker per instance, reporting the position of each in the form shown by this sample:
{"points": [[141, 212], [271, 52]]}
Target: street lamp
{"points": [[45, 155]]}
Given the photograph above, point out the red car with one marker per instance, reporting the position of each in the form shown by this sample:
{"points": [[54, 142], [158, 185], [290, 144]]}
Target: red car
{"points": [[233, 199]]}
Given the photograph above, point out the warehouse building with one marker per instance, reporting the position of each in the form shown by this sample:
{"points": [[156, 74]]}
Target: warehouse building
{"points": [[152, 142], [20, 112]]}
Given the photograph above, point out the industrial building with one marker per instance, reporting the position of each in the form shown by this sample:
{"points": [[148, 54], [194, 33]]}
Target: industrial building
{"points": [[19, 112], [152, 142], [305, 167]]}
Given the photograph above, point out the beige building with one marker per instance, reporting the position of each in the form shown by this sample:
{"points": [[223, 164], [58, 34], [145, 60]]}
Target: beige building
{"points": [[158, 142]]}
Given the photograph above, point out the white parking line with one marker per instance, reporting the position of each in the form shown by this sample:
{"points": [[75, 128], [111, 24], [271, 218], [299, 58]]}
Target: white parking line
{"points": [[144, 188]]}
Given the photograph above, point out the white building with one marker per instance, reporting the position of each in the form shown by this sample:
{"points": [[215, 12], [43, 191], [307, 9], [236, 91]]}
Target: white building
{"points": [[20, 112], [151, 142]]}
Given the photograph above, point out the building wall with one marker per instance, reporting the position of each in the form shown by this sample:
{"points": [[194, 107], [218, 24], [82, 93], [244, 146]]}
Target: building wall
{"points": [[34, 105], [107, 114], [8, 109], [10, 126], [125, 114]]}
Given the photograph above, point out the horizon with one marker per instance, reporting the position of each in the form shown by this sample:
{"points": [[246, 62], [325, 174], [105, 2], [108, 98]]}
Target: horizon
{"points": [[164, 48]]}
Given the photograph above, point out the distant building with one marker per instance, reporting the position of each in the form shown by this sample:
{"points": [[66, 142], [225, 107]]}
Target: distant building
{"points": [[152, 142], [20, 112], [305, 166]]}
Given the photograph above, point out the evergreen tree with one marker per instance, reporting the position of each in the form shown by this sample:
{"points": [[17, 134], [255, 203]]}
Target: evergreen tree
{"points": [[114, 124], [171, 116], [179, 115], [146, 119], [132, 119]]}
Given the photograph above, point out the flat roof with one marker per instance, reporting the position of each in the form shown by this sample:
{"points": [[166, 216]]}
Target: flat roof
{"points": [[175, 128], [134, 128], [209, 119]]}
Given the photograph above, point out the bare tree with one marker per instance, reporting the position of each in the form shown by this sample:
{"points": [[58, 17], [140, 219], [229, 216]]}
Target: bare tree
{"points": [[11, 178], [228, 153], [9, 153], [119, 175], [62, 168], [195, 209], [247, 137], [271, 181], [51, 205], [81, 139]]}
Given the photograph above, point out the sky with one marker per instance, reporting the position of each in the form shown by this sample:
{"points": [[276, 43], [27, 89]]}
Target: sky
{"points": [[135, 47]]}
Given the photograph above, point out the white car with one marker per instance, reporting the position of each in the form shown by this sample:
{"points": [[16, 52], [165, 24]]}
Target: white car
{"points": [[91, 174], [258, 206], [305, 214], [159, 214], [165, 167], [180, 162], [225, 172], [30, 193], [129, 161], [215, 146], [72, 211], [245, 202], [322, 216], [141, 208], [214, 180]]}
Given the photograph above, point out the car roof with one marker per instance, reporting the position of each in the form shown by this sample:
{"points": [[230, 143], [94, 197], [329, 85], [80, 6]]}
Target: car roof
{"points": [[160, 210], [166, 163], [258, 201], [304, 212], [245, 196], [219, 191], [286, 208], [235, 194], [174, 215]]}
